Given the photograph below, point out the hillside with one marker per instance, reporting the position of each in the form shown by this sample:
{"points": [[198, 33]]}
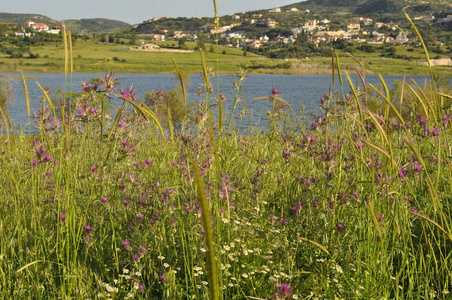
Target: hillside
{"points": [[97, 25], [384, 9], [85, 26], [20, 19]]}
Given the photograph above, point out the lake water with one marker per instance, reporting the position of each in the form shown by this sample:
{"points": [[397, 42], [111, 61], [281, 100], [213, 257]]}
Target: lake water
{"points": [[298, 90]]}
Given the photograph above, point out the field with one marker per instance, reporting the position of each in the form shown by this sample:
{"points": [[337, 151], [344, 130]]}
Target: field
{"points": [[160, 200], [91, 57]]}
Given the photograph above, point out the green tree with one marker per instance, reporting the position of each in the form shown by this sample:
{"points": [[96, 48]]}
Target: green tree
{"points": [[133, 39]]}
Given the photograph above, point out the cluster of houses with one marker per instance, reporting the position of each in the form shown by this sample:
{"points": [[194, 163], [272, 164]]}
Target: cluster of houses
{"points": [[37, 27], [358, 29]]}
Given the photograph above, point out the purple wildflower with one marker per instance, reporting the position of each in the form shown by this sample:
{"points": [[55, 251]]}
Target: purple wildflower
{"points": [[435, 132], [284, 291], [130, 93], [286, 154], [88, 229], [275, 91]]}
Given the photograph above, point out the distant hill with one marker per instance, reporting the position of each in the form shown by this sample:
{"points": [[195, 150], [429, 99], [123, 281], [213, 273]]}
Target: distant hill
{"points": [[86, 26], [391, 9], [20, 19], [97, 25]]}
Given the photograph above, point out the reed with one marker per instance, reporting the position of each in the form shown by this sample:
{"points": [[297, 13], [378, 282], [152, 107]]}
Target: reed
{"points": [[354, 205]]}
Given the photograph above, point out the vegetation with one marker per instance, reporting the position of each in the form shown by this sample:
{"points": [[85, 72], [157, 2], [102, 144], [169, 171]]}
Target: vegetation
{"points": [[95, 26], [44, 53], [105, 202], [158, 199]]}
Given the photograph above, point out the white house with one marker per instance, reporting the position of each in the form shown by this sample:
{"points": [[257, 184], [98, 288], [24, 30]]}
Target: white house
{"points": [[275, 10]]}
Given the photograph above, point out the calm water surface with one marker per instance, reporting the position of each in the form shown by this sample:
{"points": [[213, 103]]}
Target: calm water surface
{"points": [[300, 91]]}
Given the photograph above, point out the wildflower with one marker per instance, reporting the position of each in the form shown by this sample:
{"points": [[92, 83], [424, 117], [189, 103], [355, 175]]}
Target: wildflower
{"points": [[125, 271], [161, 257], [126, 243], [62, 217], [435, 132], [88, 229], [286, 154], [284, 291], [162, 277], [130, 93], [275, 91], [93, 168]]}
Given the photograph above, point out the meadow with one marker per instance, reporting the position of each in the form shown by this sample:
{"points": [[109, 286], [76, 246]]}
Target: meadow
{"points": [[160, 199], [93, 57]]}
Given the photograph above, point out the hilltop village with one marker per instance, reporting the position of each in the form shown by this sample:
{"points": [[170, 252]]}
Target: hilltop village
{"points": [[240, 30]]}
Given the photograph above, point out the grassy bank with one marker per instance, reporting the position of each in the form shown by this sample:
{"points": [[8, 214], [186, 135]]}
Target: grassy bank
{"points": [[90, 57]]}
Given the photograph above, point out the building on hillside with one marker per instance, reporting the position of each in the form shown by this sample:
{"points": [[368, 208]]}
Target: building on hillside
{"points": [[378, 25], [353, 26], [310, 25], [55, 30], [270, 23], [235, 17], [37, 26], [275, 10], [256, 16], [294, 9], [446, 19], [158, 37]]}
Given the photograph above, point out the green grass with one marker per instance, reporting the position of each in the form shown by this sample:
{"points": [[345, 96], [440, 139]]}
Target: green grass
{"points": [[90, 57], [351, 204]]}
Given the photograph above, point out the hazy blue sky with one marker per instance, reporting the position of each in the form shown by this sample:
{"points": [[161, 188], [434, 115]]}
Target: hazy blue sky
{"points": [[135, 11]]}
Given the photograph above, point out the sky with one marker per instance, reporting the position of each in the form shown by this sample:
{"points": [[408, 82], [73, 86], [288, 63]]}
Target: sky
{"points": [[135, 11]]}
